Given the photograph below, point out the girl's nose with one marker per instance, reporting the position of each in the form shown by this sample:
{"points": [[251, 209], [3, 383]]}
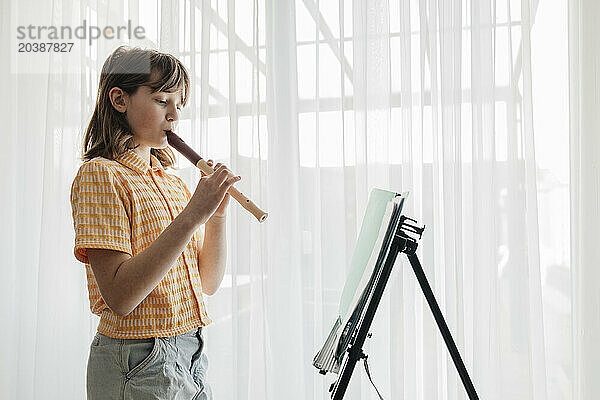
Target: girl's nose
{"points": [[172, 116]]}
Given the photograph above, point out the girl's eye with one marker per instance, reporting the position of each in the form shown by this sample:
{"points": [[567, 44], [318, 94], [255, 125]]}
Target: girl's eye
{"points": [[164, 102]]}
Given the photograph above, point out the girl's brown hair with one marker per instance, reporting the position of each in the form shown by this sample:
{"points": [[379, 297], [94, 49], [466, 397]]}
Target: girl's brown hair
{"points": [[108, 134]]}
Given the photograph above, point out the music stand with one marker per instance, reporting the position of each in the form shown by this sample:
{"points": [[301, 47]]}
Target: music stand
{"points": [[402, 242]]}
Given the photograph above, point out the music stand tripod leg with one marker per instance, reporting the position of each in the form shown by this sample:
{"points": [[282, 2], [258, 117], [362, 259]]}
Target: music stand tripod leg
{"points": [[441, 322]]}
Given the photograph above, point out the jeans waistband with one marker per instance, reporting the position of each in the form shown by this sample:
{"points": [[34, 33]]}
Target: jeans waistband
{"points": [[103, 339]]}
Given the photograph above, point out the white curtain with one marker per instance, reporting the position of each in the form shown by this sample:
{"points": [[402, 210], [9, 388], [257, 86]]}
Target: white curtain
{"points": [[585, 142], [314, 103], [46, 323]]}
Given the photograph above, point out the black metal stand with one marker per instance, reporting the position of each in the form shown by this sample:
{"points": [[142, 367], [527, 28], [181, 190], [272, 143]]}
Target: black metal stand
{"points": [[401, 243]]}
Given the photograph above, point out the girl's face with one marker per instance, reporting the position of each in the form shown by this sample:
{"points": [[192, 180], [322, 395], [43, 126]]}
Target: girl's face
{"points": [[151, 114]]}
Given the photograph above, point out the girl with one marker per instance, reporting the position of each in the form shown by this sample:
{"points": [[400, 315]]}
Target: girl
{"points": [[137, 231]]}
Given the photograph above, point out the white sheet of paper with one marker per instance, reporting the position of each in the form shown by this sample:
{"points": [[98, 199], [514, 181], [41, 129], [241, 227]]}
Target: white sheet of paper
{"points": [[366, 252]]}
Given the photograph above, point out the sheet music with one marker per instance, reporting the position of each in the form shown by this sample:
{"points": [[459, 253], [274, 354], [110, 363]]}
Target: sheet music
{"points": [[371, 249], [369, 232]]}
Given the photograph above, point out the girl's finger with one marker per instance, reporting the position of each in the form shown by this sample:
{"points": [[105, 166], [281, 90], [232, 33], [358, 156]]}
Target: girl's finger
{"points": [[221, 169], [216, 168], [221, 174], [227, 172], [226, 184], [232, 180]]}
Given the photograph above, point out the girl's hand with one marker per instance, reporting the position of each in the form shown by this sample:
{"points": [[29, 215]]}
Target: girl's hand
{"points": [[211, 198], [221, 211]]}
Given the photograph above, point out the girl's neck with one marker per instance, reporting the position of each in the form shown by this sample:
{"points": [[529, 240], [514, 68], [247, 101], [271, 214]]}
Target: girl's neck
{"points": [[144, 152]]}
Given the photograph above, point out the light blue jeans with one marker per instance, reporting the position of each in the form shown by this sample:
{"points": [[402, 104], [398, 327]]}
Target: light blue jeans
{"points": [[154, 368]]}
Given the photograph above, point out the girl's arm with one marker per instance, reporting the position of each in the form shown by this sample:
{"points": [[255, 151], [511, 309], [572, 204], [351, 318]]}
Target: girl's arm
{"points": [[125, 281], [212, 257]]}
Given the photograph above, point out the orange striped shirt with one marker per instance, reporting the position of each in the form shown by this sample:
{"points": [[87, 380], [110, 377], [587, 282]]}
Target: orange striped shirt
{"points": [[124, 205]]}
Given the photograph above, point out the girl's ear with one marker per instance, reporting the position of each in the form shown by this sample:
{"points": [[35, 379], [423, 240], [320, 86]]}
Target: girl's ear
{"points": [[118, 99]]}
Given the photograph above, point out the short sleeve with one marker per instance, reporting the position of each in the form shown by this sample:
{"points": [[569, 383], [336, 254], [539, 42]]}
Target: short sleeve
{"points": [[99, 214]]}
